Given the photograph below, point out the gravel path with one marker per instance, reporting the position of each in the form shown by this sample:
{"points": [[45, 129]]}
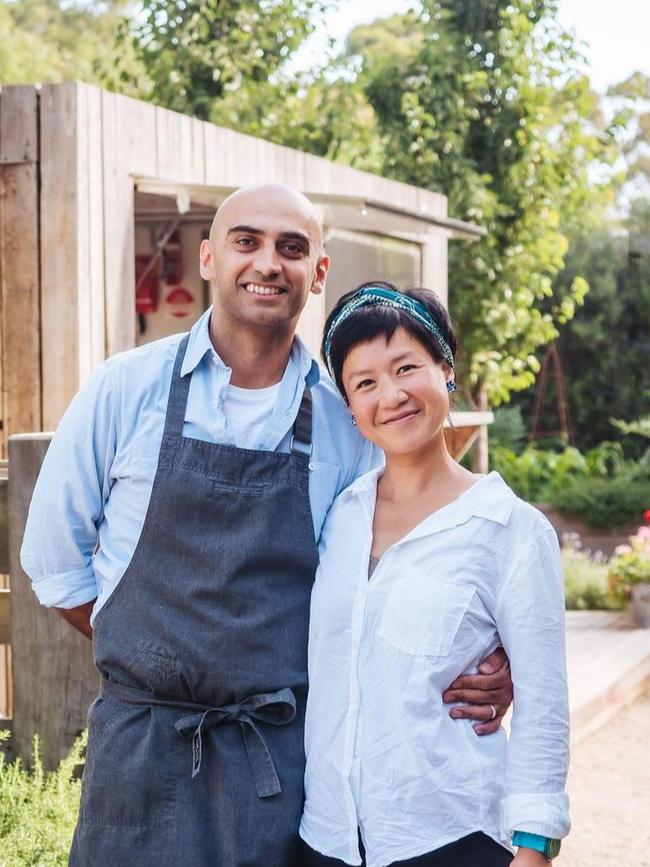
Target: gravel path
{"points": [[609, 787]]}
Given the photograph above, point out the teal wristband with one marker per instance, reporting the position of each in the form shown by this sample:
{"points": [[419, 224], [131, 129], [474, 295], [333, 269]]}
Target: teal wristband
{"points": [[545, 845]]}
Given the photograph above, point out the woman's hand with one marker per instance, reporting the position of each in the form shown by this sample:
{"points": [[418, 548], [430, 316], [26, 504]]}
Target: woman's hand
{"points": [[529, 858]]}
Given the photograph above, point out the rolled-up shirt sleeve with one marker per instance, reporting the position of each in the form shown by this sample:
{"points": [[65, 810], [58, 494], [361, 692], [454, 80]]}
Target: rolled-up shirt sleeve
{"points": [[531, 623], [68, 501]]}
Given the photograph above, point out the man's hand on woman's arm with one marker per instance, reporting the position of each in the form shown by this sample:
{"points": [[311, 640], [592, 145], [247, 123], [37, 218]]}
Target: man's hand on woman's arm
{"points": [[79, 617], [491, 688]]}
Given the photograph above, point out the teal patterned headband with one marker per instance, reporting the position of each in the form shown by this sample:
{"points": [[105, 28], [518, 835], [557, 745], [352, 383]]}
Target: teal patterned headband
{"points": [[388, 298]]}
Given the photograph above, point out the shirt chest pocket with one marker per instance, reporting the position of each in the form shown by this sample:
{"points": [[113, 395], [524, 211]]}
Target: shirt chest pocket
{"points": [[424, 613]]}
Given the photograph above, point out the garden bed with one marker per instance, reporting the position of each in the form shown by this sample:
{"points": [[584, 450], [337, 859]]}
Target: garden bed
{"points": [[592, 539]]}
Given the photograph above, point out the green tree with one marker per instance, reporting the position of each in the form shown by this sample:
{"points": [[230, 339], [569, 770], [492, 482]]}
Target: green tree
{"points": [[487, 107], [327, 115], [606, 347], [52, 41], [197, 52]]}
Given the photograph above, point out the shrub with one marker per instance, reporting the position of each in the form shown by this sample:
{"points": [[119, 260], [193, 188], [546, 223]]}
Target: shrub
{"points": [[586, 583], [535, 474], [508, 430], [38, 809], [604, 502], [630, 564]]}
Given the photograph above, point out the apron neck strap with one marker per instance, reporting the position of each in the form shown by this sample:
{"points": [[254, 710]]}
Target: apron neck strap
{"points": [[177, 405], [178, 392], [301, 435]]}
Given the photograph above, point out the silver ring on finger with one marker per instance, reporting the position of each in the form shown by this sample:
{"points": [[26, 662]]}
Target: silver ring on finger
{"points": [[494, 712]]}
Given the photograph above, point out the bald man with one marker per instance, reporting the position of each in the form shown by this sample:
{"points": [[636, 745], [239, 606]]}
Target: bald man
{"points": [[175, 522]]}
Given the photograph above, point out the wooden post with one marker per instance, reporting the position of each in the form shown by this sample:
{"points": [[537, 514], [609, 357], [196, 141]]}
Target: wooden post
{"points": [[6, 688], [19, 262], [481, 462], [54, 678]]}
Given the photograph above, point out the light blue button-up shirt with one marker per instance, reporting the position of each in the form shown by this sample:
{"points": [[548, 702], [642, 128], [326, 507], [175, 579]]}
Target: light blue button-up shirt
{"points": [[93, 491]]}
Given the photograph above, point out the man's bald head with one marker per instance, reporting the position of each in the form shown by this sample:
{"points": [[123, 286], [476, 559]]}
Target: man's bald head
{"points": [[281, 199], [264, 257]]}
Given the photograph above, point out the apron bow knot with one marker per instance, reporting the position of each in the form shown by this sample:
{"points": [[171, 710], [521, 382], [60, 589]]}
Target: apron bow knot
{"points": [[273, 708]]}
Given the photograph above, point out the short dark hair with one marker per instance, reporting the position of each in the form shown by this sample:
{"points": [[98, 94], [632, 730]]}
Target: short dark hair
{"points": [[374, 320]]}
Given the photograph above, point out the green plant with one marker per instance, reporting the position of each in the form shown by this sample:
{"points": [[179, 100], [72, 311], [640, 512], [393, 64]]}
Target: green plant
{"points": [[640, 427], [630, 564], [508, 430], [604, 502], [586, 584], [38, 809], [536, 474]]}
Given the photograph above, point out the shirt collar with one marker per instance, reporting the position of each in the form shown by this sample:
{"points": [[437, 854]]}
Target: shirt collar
{"points": [[490, 498], [200, 344]]}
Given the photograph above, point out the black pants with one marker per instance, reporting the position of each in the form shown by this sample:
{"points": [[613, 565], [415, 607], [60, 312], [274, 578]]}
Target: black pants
{"points": [[475, 850]]}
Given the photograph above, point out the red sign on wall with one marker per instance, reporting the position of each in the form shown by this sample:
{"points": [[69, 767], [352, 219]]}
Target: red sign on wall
{"points": [[179, 302]]}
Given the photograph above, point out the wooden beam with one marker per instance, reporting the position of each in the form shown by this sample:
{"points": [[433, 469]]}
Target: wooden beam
{"points": [[59, 301], [72, 242], [4, 521], [54, 677], [129, 148], [19, 262], [5, 617], [90, 231], [460, 440]]}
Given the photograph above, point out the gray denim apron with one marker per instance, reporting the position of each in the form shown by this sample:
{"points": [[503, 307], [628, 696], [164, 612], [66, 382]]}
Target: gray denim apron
{"points": [[195, 751]]}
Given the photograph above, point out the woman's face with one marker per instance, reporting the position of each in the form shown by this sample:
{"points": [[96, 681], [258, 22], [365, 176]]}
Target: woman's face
{"points": [[397, 393]]}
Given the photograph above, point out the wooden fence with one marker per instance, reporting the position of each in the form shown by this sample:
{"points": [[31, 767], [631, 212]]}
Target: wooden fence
{"points": [[54, 679]]}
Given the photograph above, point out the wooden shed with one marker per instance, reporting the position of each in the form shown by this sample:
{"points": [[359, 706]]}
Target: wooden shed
{"points": [[96, 188]]}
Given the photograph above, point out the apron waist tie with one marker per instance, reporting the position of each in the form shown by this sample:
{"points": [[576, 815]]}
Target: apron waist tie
{"points": [[274, 708]]}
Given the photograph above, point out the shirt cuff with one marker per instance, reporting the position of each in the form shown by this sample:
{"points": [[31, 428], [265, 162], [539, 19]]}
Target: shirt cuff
{"points": [[66, 589], [536, 813]]}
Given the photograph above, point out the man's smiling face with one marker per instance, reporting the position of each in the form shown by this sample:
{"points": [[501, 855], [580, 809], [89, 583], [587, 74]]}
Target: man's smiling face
{"points": [[264, 257]]}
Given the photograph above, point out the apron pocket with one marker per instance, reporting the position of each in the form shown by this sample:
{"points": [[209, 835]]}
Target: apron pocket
{"points": [[133, 766]]}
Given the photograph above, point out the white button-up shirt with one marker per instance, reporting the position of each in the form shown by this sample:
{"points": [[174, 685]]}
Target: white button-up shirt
{"points": [[383, 755]]}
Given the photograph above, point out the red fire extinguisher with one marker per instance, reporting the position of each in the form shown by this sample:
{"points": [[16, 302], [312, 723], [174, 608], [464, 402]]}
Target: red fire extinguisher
{"points": [[173, 260], [146, 286]]}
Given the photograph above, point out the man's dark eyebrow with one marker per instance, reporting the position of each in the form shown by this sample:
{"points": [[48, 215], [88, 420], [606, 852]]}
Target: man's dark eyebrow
{"points": [[250, 230], [286, 236], [295, 236]]}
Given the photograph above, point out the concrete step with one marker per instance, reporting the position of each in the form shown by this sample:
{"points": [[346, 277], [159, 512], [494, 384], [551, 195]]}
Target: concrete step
{"points": [[608, 662]]}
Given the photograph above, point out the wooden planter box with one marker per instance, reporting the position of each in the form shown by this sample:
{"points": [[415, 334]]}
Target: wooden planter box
{"points": [[592, 538]]}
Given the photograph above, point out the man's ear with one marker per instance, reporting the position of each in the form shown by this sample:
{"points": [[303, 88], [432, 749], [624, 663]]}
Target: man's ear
{"points": [[206, 260], [320, 278]]}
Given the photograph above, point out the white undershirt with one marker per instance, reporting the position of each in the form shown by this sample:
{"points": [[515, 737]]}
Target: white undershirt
{"points": [[247, 410]]}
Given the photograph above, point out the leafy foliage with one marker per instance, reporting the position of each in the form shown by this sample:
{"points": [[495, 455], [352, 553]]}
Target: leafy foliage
{"points": [[630, 564], [487, 107], [615, 502], [50, 41], [640, 427], [38, 810], [197, 52], [599, 486], [326, 116], [586, 584], [604, 349], [508, 430]]}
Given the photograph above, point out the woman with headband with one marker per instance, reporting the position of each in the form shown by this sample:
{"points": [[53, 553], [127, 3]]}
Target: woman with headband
{"points": [[424, 568]]}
